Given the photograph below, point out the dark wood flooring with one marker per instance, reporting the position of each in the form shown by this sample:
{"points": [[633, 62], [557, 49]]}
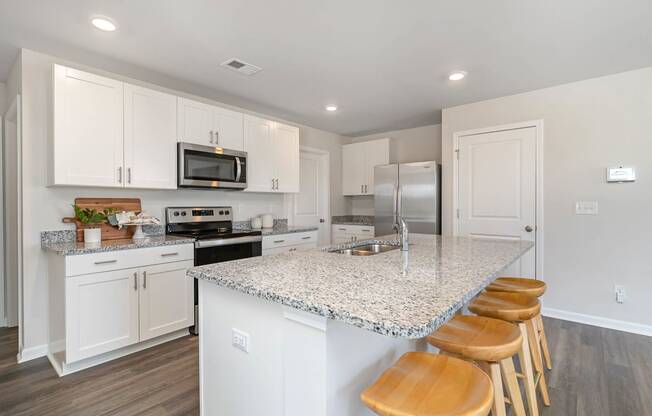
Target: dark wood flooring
{"points": [[596, 372]]}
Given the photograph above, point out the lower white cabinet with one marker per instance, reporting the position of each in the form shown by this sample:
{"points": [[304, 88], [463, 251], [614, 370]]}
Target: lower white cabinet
{"points": [[341, 234], [103, 302], [166, 299], [283, 243], [101, 313]]}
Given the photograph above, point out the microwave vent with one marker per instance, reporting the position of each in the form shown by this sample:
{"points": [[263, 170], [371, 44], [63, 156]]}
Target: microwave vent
{"points": [[241, 66]]}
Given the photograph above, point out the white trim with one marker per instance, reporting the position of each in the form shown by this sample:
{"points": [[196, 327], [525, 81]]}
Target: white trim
{"points": [[32, 353], [593, 320], [538, 125], [64, 369]]}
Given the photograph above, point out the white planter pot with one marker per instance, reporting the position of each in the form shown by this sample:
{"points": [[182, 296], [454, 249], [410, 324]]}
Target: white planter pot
{"points": [[92, 235]]}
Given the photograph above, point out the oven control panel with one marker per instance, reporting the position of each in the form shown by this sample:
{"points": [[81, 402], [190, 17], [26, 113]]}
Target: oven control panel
{"points": [[198, 214]]}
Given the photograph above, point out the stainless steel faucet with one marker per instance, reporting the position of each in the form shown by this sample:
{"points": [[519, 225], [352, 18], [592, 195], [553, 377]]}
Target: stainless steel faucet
{"points": [[403, 233]]}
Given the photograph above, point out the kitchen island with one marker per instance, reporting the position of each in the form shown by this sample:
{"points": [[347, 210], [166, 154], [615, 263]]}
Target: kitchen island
{"points": [[305, 332]]}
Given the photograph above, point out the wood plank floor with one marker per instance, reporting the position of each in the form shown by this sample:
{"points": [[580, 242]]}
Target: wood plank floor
{"points": [[596, 372]]}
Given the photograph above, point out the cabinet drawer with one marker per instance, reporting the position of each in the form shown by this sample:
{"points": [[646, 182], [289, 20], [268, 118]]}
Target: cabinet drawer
{"points": [[124, 259], [361, 230], [284, 240]]}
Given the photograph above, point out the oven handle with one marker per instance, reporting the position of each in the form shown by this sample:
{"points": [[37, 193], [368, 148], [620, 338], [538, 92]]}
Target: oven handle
{"points": [[228, 241], [238, 169]]}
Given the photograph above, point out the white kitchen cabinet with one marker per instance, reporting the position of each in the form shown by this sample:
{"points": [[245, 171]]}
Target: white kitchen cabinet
{"points": [[150, 128], [358, 163], [166, 299], [272, 156], [87, 146], [208, 125], [108, 304], [283, 243], [341, 234], [101, 313]]}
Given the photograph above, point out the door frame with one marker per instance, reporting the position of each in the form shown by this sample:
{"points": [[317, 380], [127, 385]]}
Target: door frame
{"points": [[325, 158], [539, 195]]}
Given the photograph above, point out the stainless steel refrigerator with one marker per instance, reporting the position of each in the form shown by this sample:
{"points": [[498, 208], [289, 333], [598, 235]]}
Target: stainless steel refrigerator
{"points": [[411, 190]]}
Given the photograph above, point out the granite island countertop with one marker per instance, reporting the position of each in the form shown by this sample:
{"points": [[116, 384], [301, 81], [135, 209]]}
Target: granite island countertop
{"points": [[72, 248], [393, 294]]}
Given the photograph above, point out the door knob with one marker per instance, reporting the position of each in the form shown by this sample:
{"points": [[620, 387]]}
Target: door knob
{"points": [[528, 228]]}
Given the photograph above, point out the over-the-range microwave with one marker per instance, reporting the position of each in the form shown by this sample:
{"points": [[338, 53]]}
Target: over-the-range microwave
{"points": [[211, 167]]}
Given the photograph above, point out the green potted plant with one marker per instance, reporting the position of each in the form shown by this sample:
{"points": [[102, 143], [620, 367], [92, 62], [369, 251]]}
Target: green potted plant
{"points": [[93, 220]]}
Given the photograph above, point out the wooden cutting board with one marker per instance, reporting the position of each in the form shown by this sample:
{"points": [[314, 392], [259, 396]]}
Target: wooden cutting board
{"points": [[109, 232]]}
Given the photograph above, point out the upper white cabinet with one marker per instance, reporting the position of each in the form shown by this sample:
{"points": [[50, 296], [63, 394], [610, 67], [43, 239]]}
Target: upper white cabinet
{"points": [[88, 143], [112, 134], [358, 163], [149, 138], [272, 155], [207, 125]]}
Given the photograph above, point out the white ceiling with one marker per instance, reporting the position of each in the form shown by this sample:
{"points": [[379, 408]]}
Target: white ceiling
{"points": [[385, 63]]}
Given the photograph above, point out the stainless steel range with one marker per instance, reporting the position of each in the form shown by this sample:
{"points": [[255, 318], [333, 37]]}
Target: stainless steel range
{"points": [[215, 239]]}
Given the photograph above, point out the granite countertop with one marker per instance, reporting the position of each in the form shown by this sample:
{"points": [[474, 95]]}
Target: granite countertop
{"points": [[367, 220], [71, 248], [393, 293]]}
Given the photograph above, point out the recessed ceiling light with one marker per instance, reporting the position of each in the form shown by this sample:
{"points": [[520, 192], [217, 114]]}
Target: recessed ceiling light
{"points": [[331, 107], [457, 75], [103, 24]]}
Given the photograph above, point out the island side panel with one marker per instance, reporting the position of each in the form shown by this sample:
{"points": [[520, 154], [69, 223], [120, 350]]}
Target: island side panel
{"points": [[298, 363]]}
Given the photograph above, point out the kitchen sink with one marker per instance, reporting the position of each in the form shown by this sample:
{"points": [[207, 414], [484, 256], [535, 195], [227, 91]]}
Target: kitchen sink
{"points": [[367, 249]]}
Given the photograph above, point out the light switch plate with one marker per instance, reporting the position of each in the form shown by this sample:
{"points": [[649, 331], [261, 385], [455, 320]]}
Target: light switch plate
{"points": [[586, 208]]}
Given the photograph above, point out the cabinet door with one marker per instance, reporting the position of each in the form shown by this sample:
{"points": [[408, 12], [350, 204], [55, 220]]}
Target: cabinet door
{"points": [[376, 153], [195, 122], [353, 169], [101, 313], [286, 157], [260, 152], [88, 137], [228, 127], [150, 138], [166, 299]]}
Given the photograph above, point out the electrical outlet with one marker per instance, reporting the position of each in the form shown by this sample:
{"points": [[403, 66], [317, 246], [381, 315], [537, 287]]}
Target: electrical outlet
{"points": [[240, 340], [586, 208], [620, 293]]}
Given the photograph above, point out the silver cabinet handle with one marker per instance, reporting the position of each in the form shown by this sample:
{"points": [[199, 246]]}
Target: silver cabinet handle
{"points": [[365, 189], [144, 280], [169, 254], [272, 184], [342, 229], [306, 238], [362, 189], [211, 139], [129, 175], [120, 174], [238, 169], [135, 280], [279, 241], [217, 137], [106, 262], [293, 249]]}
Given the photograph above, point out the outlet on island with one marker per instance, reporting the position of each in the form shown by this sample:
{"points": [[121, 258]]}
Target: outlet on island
{"points": [[240, 340]]}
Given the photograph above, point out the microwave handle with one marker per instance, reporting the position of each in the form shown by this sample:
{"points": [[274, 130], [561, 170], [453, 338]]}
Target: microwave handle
{"points": [[238, 169]]}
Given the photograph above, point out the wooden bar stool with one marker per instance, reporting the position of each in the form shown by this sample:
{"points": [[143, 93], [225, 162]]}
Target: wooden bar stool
{"points": [[425, 384], [492, 343], [521, 310], [531, 287]]}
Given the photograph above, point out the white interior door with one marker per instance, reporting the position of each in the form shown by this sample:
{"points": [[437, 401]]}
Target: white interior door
{"points": [[497, 189], [311, 205]]}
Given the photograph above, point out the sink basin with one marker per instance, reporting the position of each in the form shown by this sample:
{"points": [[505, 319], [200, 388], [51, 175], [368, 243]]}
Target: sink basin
{"points": [[367, 249]]}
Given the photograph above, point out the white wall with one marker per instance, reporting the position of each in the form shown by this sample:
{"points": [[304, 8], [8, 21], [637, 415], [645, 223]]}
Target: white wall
{"points": [[44, 207], [419, 144], [588, 126], [3, 98]]}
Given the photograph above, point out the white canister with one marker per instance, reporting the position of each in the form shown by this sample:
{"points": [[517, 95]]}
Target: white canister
{"points": [[256, 223], [268, 221], [92, 235]]}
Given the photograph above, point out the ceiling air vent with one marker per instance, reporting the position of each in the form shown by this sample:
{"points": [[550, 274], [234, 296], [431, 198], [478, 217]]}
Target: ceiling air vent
{"points": [[241, 66]]}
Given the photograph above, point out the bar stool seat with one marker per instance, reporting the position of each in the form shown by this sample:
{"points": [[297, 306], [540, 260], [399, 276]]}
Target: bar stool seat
{"points": [[425, 384], [521, 285], [492, 343], [506, 306]]}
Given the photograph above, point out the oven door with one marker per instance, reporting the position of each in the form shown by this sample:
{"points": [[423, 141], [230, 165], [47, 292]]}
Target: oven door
{"points": [[211, 167], [217, 251]]}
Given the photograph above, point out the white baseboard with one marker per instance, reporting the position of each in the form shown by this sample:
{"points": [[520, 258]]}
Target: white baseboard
{"points": [[3, 322], [32, 353], [609, 323]]}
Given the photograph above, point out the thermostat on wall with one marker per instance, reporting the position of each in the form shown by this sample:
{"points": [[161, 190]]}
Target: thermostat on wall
{"points": [[621, 174]]}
